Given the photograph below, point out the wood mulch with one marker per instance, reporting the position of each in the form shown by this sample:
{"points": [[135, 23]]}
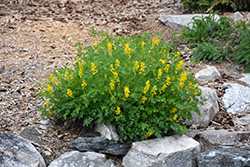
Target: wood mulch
{"points": [[38, 37]]}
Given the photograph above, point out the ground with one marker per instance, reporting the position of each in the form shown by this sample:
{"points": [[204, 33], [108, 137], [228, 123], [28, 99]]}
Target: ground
{"points": [[38, 37]]}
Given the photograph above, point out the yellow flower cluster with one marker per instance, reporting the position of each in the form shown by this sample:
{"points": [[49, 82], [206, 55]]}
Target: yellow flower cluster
{"points": [[183, 78], [70, 93], [66, 76], [84, 84], [146, 88], [117, 63], [173, 110], [167, 67], [126, 91], [47, 104], [117, 111], [143, 99], [155, 41], [162, 61], [52, 79], [93, 68], [142, 68], [113, 70], [142, 44], [166, 84], [136, 66], [80, 73], [110, 48], [127, 50], [154, 90], [148, 134], [112, 85], [159, 73], [49, 88], [95, 44], [179, 65], [175, 117]]}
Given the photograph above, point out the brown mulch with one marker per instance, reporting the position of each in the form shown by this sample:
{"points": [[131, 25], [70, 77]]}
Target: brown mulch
{"points": [[38, 37]]}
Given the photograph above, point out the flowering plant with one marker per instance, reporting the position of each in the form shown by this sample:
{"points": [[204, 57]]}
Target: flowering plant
{"points": [[133, 83]]}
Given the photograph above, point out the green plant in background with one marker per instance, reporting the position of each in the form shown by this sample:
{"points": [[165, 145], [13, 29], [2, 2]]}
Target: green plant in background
{"points": [[133, 83], [206, 6], [217, 39]]}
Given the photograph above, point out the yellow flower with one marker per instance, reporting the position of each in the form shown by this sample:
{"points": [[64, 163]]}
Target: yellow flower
{"points": [[70, 93], [126, 91], [167, 67], [112, 85], [117, 111], [162, 61], [71, 76], [52, 79], [137, 66], [115, 74], [80, 73], [173, 110], [175, 117], [49, 88], [47, 104], [146, 88], [84, 84], [93, 68], [168, 81], [182, 79], [127, 50], [95, 44], [179, 65], [117, 63], [165, 102], [43, 91], [50, 112], [105, 75], [110, 47], [155, 41], [159, 73], [148, 134], [142, 44], [143, 99], [142, 68]]}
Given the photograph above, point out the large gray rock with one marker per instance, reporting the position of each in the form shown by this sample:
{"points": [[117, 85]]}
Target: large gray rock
{"points": [[236, 98], [99, 144], [223, 137], [177, 21], [237, 16], [107, 131], [209, 73], [222, 156], [171, 151], [19, 152], [208, 110], [82, 159]]}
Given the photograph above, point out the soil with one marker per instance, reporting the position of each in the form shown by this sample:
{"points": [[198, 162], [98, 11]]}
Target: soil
{"points": [[38, 37]]}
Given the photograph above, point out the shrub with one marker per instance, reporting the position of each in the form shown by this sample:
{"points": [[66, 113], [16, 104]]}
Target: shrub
{"points": [[133, 83], [206, 6], [217, 39]]}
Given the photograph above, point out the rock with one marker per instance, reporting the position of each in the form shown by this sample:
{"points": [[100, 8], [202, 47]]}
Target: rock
{"points": [[244, 121], [168, 151], [177, 21], [222, 137], [92, 134], [209, 73], [246, 79], [208, 110], [32, 135], [82, 159], [236, 98], [108, 132], [99, 144], [17, 151], [237, 16], [222, 156]]}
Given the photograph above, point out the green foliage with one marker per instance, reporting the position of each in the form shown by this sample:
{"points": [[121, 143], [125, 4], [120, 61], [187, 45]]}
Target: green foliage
{"points": [[217, 39], [206, 6], [133, 83]]}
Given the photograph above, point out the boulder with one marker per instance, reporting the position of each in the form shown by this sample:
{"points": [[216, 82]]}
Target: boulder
{"points": [[223, 156], [209, 73], [207, 111], [246, 78], [169, 151], [107, 131], [17, 151], [32, 135], [236, 98], [82, 159], [100, 145], [177, 21]]}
